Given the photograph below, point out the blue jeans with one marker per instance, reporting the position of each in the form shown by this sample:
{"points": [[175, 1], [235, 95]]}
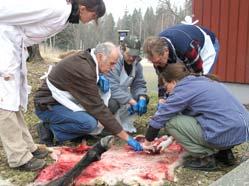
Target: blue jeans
{"points": [[66, 124]]}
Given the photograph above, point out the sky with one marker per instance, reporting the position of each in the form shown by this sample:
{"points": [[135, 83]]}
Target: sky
{"points": [[117, 7]]}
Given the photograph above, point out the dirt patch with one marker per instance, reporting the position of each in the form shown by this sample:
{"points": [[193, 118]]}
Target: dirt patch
{"points": [[185, 176]]}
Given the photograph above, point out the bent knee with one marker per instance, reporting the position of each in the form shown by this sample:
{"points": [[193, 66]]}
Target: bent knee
{"points": [[90, 125], [180, 121]]}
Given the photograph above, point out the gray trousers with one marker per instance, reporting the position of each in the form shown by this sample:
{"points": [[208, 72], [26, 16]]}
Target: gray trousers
{"points": [[188, 133], [16, 138]]}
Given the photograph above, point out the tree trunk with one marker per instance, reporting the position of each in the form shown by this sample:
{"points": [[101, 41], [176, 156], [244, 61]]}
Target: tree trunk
{"points": [[34, 53]]}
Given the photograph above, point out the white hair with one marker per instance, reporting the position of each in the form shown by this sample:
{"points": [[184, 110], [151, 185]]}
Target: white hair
{"points": [[105, 48]]}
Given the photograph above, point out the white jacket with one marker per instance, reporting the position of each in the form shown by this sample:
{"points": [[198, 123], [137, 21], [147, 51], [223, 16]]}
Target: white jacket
{"points": [[24, 23]]}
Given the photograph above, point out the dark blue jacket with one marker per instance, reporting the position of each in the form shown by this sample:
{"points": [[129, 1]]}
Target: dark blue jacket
{"points": [[187, 41], [181, 36]]}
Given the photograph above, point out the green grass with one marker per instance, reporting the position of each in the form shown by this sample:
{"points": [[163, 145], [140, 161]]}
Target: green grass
{"points": [[150, 78]]}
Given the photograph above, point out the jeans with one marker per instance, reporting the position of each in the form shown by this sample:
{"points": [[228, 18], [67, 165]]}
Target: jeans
{"points": [[66, 124]]}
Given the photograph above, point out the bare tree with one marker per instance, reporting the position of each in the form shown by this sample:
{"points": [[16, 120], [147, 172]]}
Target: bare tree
{"points": [[178, 13], [169, 7]]}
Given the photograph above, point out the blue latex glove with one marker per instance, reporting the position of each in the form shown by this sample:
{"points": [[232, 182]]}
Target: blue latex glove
{"points": [[133, 109], [134, 144], [142, 106], [104, 84]]}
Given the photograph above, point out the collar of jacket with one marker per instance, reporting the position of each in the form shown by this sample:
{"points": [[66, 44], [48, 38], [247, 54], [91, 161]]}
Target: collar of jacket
{"points": [[87, 56], [172, 52], [74, 16]]}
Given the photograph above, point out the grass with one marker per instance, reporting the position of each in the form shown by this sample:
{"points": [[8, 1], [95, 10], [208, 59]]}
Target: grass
{"points": [[36, 70]]}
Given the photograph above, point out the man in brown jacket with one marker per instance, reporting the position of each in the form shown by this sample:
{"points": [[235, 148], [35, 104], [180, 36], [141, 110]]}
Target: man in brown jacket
{"points": [[70, 102]]}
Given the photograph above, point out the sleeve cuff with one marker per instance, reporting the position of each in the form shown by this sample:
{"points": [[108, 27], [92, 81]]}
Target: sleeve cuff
{"points": [[146, 97], [151, 133]]}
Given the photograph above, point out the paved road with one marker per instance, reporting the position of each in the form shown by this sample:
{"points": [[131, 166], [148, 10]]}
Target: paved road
{"points": [[237, 177]]}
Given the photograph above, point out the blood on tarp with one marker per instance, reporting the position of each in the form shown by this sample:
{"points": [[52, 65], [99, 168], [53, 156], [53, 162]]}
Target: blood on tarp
{"points": [[118, 164], [80, 149], [149, 176]]}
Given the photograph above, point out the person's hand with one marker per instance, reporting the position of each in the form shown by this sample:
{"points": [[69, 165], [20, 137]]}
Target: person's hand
{"points": [[104, 84], [161, 101], [134, 144], [142, 106], [164, 144], [148, 147], [133, 109]]}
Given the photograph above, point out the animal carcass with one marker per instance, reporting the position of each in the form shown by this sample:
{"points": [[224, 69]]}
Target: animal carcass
{"points": [[117, 165]]}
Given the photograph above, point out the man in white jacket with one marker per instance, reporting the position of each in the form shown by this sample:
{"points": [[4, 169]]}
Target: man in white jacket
{"points": [[22, 24]]}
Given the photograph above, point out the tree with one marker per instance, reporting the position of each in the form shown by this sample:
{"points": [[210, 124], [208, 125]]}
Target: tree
{"points": [[109, 33], [149, 23], [34, 53], [65, 39], [137, 21], [178, 13]]}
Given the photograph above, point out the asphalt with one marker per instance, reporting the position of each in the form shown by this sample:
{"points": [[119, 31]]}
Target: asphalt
{"points": [[237, 177]]}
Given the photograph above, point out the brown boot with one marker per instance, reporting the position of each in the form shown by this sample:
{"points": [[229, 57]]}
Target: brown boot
{"points": [[33, 165]]}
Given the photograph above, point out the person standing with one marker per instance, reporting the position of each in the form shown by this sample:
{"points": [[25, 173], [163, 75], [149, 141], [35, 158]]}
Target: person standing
{"points": [[128, 87], [22, 24]]}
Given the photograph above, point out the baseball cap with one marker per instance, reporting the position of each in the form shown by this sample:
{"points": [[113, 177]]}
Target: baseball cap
{"points": [[133, 44]]}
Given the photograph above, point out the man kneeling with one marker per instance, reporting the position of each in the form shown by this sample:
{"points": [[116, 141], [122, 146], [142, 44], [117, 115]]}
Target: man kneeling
{"points": [[70, 102]]}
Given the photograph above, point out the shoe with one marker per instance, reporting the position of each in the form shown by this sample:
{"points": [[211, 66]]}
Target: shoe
{"points": [[33, 165], [58, 143], [40, 153], [207, 163], [45, 134], [225, 157], [77, 140]]}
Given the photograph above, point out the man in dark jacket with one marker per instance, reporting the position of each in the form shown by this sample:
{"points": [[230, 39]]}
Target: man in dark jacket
{"points": [[70, 98], [195, 46]]}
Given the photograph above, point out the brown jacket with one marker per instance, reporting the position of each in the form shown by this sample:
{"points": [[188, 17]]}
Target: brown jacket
{"points": [[77, 75]]}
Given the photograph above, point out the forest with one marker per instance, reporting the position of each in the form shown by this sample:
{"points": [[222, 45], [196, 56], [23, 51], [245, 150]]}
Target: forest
{"points": [[80, 37]]}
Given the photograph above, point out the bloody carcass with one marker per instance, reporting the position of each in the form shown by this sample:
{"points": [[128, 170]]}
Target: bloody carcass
{"points": [[117, 165], [91, 156]]}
